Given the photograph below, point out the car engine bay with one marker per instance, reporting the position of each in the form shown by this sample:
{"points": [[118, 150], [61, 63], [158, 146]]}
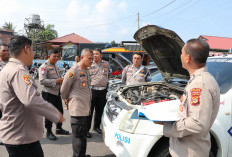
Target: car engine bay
{"points": [[150, 94]]}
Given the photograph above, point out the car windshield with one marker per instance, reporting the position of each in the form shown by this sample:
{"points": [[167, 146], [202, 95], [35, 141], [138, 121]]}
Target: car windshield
{"points": [[220, 68]]}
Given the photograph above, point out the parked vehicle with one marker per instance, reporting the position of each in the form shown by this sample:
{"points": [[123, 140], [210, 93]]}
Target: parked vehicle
{"points": [[33, 70], [128, 137]]}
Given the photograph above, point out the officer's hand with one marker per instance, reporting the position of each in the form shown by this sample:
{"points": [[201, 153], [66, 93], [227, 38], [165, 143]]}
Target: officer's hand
{"points": [[160, 123], [59, 81], [61, 118], [66, 104]]}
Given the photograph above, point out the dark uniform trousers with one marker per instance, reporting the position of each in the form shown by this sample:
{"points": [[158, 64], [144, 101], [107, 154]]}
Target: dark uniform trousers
{"points": [[25, 150], [98, 102], [55, 101], [79, 127]]}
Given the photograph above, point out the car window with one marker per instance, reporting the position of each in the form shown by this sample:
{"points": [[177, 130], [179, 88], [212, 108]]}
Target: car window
{"points": [[220, 68], [156, 76]]}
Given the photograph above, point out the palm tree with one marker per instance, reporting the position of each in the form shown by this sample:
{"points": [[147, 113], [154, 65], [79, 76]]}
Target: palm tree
{"points": [[50, 28], [9, 26]]}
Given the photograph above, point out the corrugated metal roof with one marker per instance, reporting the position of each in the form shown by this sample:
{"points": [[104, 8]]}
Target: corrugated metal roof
{"points": [[74, 38], [217, 42]]}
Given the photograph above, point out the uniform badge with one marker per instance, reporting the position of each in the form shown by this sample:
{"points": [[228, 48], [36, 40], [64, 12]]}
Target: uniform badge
{"points": [[181, 99], [50, 67], [27, 79], [83, 79], [70, 75], [181, 108], [43, 70], [195, 96], [53, 72], [105, 64], [141, 75], [105, 69], [83, 84], [82, 72]]}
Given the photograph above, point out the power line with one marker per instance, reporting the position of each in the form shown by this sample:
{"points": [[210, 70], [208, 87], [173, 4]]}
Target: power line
{"points": [[159, 9]]}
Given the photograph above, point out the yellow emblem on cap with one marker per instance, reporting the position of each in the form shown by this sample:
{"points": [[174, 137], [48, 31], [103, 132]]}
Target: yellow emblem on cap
{"points": [[70, 75], [27, 79]]}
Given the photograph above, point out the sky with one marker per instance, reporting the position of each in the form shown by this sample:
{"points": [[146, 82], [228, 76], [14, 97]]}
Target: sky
{"points": [[108, 20]]}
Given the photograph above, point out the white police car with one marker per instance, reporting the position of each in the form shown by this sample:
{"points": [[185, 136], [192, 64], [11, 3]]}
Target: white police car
{"points": [[128, 137]]}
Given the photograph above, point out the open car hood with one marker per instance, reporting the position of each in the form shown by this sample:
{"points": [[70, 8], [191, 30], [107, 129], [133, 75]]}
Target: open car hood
{"points": [[164, 47]]}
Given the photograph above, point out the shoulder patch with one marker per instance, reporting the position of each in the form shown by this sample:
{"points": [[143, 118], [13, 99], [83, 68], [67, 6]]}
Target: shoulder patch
{"points": [[27, 79], [195, 96], [70, 75]]}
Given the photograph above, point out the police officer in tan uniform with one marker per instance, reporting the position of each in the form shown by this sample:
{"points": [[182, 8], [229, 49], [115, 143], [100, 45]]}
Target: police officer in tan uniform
{"points": [[21, 126], [50, 78], [99, 73], [76, 93], [189, 136], [135, 73], [4, 56]]}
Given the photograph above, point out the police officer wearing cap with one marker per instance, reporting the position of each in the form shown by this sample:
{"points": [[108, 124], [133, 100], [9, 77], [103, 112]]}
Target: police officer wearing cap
{"points": [[189, 136], [76, 93], [21, 125], [4, 56], [50, 78], [99, 73], [135, 73]]}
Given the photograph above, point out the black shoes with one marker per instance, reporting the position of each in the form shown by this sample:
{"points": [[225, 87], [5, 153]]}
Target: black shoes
{"points": [[88, 135], [1, 142], [62, 132], [99, 131], [87, 156], [51, 136]]}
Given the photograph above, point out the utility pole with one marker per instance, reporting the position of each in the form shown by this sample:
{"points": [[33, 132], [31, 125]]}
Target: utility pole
{"points": [[138, 20]]}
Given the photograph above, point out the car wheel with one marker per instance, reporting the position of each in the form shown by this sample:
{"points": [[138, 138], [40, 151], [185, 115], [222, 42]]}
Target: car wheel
{"points": [[163, 151]]}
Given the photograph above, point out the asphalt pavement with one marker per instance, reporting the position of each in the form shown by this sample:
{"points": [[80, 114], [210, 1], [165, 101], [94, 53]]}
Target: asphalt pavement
{"points": [[62, 147]]}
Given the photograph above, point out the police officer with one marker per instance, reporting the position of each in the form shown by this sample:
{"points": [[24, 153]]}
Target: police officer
{"points": [[21, 104], [135, 73], [99, 71], [4, 56], [50, 78], [76, 93], [189, 136]]}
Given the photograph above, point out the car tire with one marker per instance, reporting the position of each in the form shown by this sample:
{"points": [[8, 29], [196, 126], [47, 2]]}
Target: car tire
{"points": [[163, 151]]}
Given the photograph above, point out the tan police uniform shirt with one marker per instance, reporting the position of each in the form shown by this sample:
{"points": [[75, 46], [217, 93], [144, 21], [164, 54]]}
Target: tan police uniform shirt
{"points": [[76, 88], [99, 73], [22, 106], [2, 64], [48, 73], [189, 136], [129, 71]]}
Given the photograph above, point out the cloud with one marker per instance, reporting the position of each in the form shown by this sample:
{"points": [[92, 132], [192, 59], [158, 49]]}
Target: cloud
{"points": [[122, 5]]}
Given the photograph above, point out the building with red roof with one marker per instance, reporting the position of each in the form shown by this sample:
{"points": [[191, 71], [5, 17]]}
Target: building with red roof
{"points": [[6, 35], [70, 38], [218, 44]]}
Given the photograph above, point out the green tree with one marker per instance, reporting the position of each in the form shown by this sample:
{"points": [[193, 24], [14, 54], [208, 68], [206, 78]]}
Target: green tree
{"points": [[9, 26]]}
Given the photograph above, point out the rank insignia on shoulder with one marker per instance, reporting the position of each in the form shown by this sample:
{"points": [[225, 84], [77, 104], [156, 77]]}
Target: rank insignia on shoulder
{"points": [[70, 75], [83, 84], [82, 72], [195, 96], [27, 79]]}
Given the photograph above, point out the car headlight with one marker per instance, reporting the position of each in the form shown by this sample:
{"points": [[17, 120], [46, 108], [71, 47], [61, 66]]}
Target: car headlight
{"points": [[112, 110], [129, 125]]}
